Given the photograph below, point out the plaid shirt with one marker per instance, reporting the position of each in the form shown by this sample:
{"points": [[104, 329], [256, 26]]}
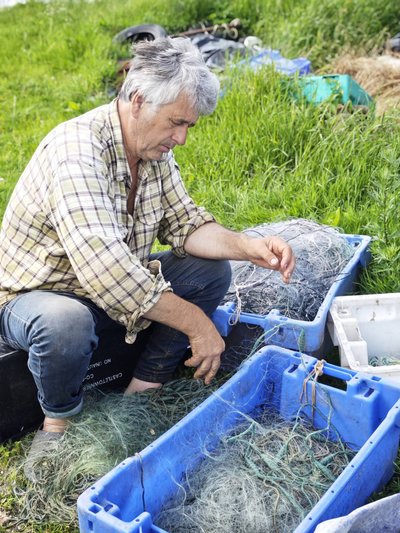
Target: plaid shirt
{"points": [[67, 227]]}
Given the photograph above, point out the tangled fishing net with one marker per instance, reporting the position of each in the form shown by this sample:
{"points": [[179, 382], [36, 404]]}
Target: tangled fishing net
{"points": [[110, 428], [321, 255], [384, 361], [265, 477]]}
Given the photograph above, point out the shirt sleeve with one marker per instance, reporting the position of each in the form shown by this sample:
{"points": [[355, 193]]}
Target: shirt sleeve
{"points": [[181, 215], [113, 277]]}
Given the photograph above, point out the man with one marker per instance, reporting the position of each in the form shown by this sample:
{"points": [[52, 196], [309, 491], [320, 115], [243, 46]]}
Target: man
{"points": [[77, 236]]}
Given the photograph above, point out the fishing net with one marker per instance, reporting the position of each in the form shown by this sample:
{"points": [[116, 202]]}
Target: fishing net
{"points": [[321, 253], [384, 361], [265, 477], [111, 428]]}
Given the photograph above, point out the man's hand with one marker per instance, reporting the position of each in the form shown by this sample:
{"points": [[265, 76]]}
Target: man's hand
{"points": [[271, 252], [204, 340], [207, 346]]}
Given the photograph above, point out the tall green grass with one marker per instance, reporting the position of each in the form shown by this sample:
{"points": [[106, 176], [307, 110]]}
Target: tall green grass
{"points": [[262, 156], [270, 156]]}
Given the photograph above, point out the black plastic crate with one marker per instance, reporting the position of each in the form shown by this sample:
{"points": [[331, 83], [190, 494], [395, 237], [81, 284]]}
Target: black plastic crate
{"points": [[111, 368]]}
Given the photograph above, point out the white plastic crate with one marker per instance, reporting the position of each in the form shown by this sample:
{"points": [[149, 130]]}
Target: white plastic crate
{"points": [[367, 327]]}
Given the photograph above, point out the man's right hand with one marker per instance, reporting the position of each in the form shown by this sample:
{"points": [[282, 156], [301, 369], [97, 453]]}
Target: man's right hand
{"points": [[204, 340], [207, 346]]}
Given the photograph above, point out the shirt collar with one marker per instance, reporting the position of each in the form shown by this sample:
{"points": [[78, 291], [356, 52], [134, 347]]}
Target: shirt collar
{"points": [[123, 172]]}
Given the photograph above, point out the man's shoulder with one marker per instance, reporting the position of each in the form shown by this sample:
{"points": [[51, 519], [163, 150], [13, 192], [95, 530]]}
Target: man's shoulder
{"points": [[96, 120], [84, 134]]}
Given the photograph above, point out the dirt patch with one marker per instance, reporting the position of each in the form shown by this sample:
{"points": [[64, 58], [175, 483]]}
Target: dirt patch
{"points": [[4, 518]]}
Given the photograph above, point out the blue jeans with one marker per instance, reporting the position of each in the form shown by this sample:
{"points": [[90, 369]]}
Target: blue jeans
{"points": [[60, 331]]}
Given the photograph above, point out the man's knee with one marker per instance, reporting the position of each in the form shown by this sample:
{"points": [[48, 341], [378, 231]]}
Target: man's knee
{"points": [[65, 328], [217, 275], [224, 273], [210, 281]]}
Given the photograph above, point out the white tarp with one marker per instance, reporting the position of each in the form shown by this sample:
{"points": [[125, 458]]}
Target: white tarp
{"points": [[382, 516]]}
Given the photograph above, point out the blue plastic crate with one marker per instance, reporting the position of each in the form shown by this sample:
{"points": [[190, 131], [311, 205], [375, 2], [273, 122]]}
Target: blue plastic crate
{"points": [[366, 415], [340, 86], [299, 334]]}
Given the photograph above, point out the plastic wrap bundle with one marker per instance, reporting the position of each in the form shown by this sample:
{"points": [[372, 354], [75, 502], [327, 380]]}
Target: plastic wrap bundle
{"points": [[321, 254]]}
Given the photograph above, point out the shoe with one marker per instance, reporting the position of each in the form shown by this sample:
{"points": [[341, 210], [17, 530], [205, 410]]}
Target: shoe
{"points": [[44, 443]]}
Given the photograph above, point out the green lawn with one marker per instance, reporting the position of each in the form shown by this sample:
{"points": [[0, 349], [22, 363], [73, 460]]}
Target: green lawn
{"points": [[262, 156]]}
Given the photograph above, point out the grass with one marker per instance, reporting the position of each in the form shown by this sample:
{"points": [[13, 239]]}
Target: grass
{"points": [[262, 156]]}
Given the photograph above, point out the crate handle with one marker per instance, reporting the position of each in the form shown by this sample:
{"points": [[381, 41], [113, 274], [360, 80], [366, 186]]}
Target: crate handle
{"points": [[338, 372]]}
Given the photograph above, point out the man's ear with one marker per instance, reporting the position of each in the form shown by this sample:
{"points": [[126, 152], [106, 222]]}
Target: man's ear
{"points": [[137, 102]]}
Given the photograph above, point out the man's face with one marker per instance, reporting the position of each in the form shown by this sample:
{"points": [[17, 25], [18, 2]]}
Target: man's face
{"points": [[158, 131]]}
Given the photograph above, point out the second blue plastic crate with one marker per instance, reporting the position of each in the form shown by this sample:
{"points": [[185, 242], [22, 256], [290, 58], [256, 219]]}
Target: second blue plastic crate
{"points": [[298, 334]]}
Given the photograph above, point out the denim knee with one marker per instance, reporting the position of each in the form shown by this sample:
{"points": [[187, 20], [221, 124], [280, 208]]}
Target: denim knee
{"points": [[213, 278], [223, 275], [196, 279]]}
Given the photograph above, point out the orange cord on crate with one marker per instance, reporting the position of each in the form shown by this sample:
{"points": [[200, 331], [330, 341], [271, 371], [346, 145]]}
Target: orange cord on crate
{"points": [[316, 372]]}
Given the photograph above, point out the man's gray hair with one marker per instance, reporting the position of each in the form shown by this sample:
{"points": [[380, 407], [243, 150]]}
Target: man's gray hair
{"points": [[164, 68]]}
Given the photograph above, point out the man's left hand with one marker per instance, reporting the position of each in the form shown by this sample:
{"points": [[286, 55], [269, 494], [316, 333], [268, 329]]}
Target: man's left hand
{"points": [[273, 253]]}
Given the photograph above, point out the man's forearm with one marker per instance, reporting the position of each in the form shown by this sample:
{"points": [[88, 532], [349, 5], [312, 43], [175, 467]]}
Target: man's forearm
{"points": [[213, 241], [177, 313]]}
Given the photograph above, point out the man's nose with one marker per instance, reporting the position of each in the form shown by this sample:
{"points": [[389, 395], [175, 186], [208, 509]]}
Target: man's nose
{"points": [[180, 134]]}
